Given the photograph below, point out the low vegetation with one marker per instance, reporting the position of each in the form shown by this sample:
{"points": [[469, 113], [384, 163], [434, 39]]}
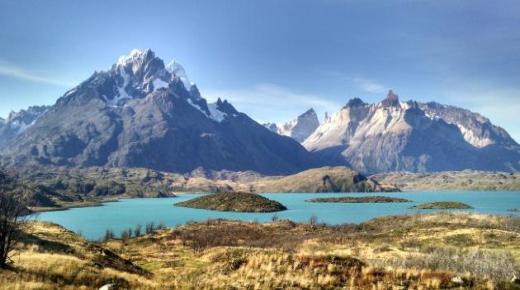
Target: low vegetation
{"points": [[363, 199], [234, 201], [432, 251], [136, 232], [442, 205]]}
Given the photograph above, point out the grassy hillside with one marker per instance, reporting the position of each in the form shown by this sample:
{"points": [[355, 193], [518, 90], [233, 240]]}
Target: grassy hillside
{"points": [[434, 251], [51, 257], [234, 201]]}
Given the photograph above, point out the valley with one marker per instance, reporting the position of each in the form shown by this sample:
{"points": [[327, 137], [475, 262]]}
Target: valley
{"points": [[132, 177]]}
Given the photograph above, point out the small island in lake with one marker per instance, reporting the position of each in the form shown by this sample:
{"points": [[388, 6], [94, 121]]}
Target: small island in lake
{"points": [[364, 199], [442, 205], [234, 201]]}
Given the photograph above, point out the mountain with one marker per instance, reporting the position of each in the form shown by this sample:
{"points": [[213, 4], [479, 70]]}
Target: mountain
{"points": [[408, 136], [17, 122], [142, 113], [476, 129], [271, 126], [298, 129]]}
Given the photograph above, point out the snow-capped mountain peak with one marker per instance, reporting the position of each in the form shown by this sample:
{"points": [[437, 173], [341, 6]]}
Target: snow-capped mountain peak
{"points": [[140, 73], [24, 118], [178, 70], [300, 128], [18, 122], [140, 114], [136, 58]]}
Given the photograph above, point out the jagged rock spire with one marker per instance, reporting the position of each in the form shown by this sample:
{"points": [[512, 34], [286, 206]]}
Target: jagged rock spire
{"points": [[355, 102], [390, 100]]}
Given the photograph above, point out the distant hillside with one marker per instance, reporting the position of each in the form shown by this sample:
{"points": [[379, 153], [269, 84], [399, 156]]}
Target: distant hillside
{"points": [[325, 179], [63, 187], [451, 180]]}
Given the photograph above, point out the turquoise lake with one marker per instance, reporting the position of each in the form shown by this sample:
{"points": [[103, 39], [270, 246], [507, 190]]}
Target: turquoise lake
{"points": [[92, 222]]}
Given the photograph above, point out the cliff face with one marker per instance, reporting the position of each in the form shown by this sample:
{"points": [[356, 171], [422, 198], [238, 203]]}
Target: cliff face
{"points": [[298, 129], [409, 136]]}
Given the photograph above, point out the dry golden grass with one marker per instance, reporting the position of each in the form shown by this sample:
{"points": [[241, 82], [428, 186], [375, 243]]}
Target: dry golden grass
{"points": [[406, 252]]}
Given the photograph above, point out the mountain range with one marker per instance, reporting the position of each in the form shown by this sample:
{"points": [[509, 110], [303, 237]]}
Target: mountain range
{"points": [[409, 136], [298, 129], [143, 113], [17, 122]]}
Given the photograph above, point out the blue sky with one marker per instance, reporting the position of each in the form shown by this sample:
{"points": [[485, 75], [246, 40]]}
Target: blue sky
{"points": [[273, 59]]}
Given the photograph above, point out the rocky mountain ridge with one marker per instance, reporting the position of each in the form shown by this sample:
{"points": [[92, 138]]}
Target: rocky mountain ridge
{"points": [[408, 136], [298, 129], [17, 122], [141, 113]]}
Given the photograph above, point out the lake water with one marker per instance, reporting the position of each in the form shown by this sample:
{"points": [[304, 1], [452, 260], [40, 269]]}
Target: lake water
{"points": [[93, 221]]}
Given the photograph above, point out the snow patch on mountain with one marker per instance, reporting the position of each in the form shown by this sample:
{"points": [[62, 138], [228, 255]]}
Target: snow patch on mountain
{"points": [[121, 89], [18, 122], [178, 70], [271, 126], [134, 59], [215, 113], [159, 84]]}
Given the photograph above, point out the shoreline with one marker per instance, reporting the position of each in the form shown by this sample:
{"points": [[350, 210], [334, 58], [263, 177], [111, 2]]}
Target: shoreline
{"points": [[102, 202], [64, 207]]}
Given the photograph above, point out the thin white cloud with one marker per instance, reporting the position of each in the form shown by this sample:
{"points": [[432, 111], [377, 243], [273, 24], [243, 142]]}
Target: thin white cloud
{"points": [[22, 74], [363, 84], [273, 103], [368, 86]]}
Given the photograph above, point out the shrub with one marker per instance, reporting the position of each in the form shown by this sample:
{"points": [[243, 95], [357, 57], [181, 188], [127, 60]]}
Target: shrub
{"points": [[109, 235], [137, 230]]}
